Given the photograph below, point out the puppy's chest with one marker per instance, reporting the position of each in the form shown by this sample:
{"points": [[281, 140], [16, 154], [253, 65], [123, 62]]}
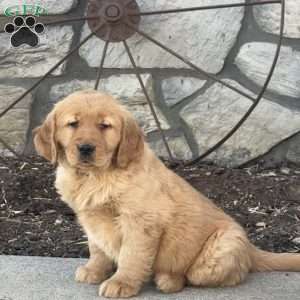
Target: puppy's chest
{"points": [[86, 192], [94, 203]]}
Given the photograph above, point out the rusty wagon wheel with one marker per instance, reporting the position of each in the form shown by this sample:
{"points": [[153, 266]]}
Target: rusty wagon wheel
{"points": [[115, 21]]}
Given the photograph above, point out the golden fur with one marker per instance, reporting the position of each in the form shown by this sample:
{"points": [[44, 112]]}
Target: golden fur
{"points": [[139, 216]]}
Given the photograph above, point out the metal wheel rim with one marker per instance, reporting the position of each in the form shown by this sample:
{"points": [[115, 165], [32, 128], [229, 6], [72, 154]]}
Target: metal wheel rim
{"points": [[230, 133]]}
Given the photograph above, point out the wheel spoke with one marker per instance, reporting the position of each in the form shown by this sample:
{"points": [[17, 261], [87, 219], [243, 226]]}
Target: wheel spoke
{"points": [[126, 2], [49, 72], [62, 21], [209, 7], [187, 62], [69, 20], [139, 77], [100, 70], [8, 147]]}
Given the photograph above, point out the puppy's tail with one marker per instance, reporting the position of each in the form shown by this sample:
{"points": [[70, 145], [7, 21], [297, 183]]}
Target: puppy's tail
{"points": [[263, 261]]}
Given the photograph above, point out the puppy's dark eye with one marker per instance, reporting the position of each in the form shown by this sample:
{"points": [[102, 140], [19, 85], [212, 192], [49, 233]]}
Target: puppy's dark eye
{"points": [[73, 124], [104, 126]]}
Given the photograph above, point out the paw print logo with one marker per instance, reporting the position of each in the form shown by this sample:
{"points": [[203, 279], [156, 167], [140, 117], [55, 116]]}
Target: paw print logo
{"points": [[24, 31]]}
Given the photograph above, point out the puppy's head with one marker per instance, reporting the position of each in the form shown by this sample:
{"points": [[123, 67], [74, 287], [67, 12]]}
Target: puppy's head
{"points": [[89, 130]]}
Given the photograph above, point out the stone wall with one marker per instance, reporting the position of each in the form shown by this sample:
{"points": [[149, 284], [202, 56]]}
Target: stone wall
{"points": [[236, 44]]}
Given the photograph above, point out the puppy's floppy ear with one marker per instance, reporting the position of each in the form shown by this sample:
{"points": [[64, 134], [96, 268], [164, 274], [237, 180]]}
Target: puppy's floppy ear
{"points": [[44, 139], [131, 146]]}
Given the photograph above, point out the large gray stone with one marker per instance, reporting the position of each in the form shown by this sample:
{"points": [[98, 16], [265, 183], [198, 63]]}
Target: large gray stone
{"points": [[15, 123], [26, 61], [293, 153], [52, 6], [205, 37], [255, 60], [178, 146], [126, 88], [269, 16], [176, 89], [211, 115]]}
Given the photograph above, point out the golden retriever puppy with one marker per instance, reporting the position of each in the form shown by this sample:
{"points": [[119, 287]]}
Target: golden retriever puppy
{"points": [[139, 216]]}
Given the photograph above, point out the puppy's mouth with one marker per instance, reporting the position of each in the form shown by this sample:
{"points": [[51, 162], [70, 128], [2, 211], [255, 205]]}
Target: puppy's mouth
{"points": [[91, 163], [86, 161]]}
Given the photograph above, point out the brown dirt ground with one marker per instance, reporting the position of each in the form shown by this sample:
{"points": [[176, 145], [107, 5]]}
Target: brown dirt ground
{"points": [[33, 221]]}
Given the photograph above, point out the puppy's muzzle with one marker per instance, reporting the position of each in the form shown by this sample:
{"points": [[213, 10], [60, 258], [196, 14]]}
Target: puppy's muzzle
{"points": [[86, 151]]}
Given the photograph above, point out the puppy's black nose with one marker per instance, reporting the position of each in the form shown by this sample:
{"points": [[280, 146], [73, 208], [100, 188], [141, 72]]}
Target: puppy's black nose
{"points": [[86, 149]]}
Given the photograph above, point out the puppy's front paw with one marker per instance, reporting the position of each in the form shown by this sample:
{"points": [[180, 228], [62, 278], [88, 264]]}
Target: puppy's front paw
{"points": [[87, 275], [114, 288]]}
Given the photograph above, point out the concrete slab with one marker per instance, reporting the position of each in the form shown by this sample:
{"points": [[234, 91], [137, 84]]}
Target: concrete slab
{"points": [[35, 278]]}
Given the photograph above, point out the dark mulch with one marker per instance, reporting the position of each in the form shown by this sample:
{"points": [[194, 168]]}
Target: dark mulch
{"points": [[33, 221]]}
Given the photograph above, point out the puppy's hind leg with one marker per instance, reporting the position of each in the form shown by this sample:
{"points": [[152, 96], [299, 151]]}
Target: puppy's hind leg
{"points": [[224, 261], [97, 269], [169, 283]]}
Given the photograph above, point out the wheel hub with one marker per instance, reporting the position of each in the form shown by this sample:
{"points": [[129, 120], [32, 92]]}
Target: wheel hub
{"points": [[115, 14], [112, 13]]}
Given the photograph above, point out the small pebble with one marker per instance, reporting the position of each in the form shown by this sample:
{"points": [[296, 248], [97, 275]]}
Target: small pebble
{"points": [[261, 224], [285, 171], [269, 174], [58, 222], [296, 240], [50, 211]]}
